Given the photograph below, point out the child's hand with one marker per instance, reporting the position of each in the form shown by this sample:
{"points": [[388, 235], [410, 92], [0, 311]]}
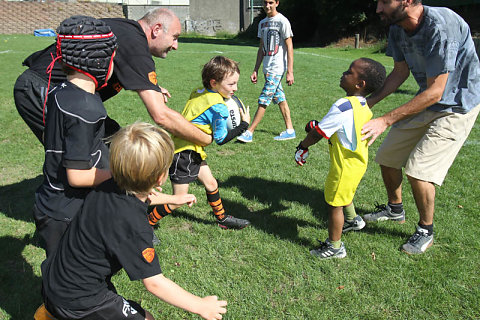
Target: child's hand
{"points": [[212, 308], [253, 77], [301, 155], [245, 115], [180, 199]]}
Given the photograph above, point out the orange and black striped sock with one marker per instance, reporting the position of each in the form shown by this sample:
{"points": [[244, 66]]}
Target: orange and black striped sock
{"points": [[158, 213], [215, 202]]}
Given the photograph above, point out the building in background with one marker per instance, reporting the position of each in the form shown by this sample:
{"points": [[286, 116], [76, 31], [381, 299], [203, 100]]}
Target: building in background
{"points": [[207, 17]]}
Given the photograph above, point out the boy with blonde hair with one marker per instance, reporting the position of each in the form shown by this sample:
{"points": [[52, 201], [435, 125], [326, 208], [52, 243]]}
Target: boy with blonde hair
{"points": [[112, 233]]}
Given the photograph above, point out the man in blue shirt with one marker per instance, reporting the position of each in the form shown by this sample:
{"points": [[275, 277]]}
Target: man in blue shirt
{"points": [[436, 46]]}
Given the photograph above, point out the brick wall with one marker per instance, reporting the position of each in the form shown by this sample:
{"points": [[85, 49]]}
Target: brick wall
{"points": [[24, 17]]}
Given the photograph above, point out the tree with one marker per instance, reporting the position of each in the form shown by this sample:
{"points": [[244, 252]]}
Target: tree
{"points": [[321, 22]]}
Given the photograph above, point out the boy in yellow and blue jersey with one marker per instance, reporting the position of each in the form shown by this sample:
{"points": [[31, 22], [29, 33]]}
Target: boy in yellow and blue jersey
{"points": [[207, 110], [348, 153]]}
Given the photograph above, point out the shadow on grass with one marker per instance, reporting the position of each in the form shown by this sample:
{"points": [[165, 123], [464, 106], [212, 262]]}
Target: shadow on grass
{"points": [[20, 289], [389, 228], [386, 228], [270, 219], [16, 200], [272, 133]]}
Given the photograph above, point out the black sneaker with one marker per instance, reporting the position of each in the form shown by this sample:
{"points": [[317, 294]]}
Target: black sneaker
{"points": [[230, 222]]}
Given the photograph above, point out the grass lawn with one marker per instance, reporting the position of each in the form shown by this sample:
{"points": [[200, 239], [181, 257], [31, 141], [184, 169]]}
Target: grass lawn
{"points": [[264, 271]]}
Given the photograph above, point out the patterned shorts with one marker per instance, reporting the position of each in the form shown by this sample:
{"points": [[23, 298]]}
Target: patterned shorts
{"points": [[272, 90]]}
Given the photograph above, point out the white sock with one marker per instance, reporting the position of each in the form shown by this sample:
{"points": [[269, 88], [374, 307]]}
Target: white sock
{"points": [[290, 131]]}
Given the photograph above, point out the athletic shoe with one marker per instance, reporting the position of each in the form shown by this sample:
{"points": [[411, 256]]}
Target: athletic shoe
{"points": [[384, 212], [327, 251], [230, 222], [246, 137], [419, 242], [355, 224], [284, 135]]}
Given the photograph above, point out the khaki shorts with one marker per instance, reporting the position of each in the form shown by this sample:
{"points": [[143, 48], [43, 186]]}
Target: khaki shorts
{"points": [[426, 144]]}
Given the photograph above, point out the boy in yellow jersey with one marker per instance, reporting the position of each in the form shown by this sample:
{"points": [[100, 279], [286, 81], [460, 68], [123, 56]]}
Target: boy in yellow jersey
{"points": [[206, 109], [348, 153]]}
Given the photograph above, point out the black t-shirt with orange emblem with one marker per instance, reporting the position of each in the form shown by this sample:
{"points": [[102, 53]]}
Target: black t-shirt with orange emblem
{"points": [[134, 68], [110, 233]]}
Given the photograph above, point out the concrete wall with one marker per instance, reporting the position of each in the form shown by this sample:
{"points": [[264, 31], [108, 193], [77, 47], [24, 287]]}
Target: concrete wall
{"points": [[210, 16], [205, 17], [135, 12]]}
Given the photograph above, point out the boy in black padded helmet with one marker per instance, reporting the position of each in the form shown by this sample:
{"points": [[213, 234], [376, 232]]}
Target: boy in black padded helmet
{"points": [[87, 45], [76, 158]]}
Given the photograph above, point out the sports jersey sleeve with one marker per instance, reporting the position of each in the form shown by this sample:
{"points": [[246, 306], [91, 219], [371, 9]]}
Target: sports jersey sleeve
{"points": [[134, 67], [79, 137], [336, 117], [138, 257], [219, 122]]}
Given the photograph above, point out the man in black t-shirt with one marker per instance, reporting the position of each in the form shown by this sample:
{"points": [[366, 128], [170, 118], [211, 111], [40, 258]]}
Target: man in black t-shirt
{"points": [[154, 34], [112, 233]]}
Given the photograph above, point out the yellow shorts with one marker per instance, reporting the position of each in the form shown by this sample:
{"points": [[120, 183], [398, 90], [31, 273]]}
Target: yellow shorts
{"points": [[426, 144]]}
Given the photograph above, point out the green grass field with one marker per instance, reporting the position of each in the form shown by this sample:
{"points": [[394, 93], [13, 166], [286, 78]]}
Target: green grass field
{"points": [[264, 271]]}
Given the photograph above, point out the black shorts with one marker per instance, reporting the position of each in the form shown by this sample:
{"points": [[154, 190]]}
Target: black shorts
{"points": [[185, 167], [49, 229], [113, 307], [29, 93]]}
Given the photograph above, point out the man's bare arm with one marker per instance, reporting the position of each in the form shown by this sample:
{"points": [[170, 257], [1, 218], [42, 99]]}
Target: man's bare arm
{"points": [[171, 120]]}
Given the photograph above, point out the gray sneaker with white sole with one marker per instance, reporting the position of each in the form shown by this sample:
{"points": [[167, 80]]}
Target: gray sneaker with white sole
{"points": [[419, 242]]}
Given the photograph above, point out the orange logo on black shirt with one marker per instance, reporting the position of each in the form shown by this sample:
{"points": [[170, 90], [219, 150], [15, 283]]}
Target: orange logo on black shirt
{"points": [[152, 76], [148, 254], [117, 86]]}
